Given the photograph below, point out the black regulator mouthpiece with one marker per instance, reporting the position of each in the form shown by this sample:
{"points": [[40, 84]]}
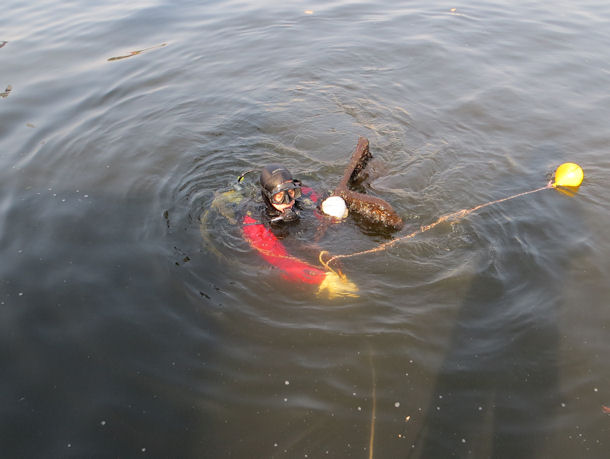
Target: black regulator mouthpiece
{"points": [[287, 216]]}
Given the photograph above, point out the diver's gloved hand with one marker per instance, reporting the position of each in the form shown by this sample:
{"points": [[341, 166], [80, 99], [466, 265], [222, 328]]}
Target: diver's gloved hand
{"points": [[335, 285]]}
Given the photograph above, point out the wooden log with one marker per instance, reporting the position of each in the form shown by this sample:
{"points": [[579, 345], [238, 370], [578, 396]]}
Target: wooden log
{"points": [[373, 209], [357, 163]]}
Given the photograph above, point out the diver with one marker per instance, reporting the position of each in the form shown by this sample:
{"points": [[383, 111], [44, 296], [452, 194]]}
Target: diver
{"points": [[285, 198]]}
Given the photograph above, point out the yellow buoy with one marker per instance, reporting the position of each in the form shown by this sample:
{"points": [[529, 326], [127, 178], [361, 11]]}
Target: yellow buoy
{"points": [[569, 174]]}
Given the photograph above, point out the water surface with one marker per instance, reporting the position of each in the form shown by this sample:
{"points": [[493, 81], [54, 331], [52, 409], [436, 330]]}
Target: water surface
{"points": [[125, 331]]}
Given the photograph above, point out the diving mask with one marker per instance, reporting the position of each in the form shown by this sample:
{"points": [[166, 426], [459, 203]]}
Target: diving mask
{"points": [[284, 193]]}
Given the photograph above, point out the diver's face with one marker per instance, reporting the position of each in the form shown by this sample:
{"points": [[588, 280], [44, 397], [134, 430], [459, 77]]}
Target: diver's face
{"points": [[283, 200]]}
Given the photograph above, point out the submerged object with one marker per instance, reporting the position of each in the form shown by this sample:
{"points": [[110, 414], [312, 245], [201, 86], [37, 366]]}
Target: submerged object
{"points": [[569, 174], [373, 209]]}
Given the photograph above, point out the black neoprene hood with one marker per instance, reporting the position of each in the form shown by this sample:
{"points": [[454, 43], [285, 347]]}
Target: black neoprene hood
{"points": [[274, 175]]}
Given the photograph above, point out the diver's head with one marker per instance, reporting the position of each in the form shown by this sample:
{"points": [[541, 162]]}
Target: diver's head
{"points": [[280, 191]]}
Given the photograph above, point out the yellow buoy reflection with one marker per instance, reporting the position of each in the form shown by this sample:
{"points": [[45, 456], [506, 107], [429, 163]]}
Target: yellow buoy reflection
{"points": [[569, 174]]}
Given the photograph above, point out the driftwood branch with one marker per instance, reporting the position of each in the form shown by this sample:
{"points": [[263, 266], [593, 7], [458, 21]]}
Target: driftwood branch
{"points": [[376, 210]]}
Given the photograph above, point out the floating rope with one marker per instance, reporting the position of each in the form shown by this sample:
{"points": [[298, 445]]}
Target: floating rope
{"points": [[338, 271], [452, 216]]}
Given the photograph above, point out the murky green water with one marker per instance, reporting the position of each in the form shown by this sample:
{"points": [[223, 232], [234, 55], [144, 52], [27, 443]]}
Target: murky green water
{"points": [[124, 332]]}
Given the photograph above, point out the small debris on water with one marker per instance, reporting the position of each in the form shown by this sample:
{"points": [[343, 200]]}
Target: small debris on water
{"points": [[454, 12], [135, 53], [6, 92], [308, 11], [396, 404]]}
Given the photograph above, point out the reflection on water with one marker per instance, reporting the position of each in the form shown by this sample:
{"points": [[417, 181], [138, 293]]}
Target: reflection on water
{"points": [[136, 319], [511, 343]]}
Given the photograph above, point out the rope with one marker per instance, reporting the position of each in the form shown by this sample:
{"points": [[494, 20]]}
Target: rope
{"points": [[452, 216], [374, 406], [338, 272]]}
